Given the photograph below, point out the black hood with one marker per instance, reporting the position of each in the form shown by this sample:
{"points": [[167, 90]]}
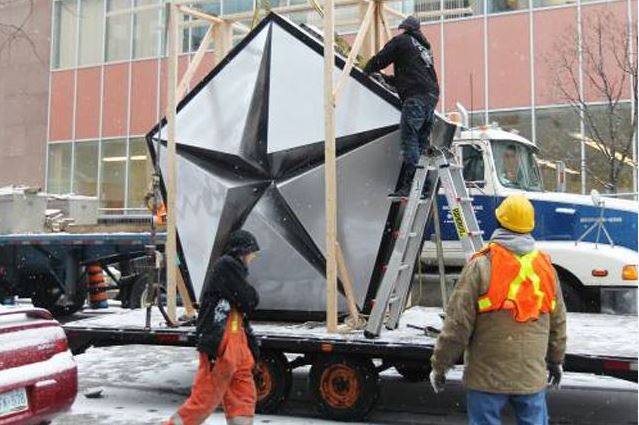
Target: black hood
{"points": [[240, 243]]}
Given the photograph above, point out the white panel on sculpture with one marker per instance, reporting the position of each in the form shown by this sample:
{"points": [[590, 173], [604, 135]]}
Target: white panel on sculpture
{"points": [[365, 177], [296, 98], [285, 279], [202, 214], [209, 121]]}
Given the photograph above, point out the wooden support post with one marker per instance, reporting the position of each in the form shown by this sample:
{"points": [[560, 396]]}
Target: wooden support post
{"points": [[193, 65], [376, 27], [368, 45], [184, 294], [330, 168], [347, 283], [171, 237], [385, 25], [357, 45], [223, 40]]}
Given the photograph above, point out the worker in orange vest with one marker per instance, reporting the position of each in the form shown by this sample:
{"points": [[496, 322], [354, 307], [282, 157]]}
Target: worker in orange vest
{"points": [[508, 315], [228, 349]]}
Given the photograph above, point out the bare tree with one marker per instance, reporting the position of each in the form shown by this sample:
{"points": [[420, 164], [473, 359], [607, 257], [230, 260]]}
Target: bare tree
{"points": [[609, 59], [14, 30]]}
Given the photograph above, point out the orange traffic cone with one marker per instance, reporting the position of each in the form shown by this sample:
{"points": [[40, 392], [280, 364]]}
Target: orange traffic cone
{"points": [[97, 287]]}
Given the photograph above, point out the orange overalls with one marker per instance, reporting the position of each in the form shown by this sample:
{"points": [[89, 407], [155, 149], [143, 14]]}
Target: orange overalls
{"points": [[229, 381]]}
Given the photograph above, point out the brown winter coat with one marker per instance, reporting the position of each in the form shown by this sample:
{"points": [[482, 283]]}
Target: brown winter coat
{"points": [[501, 355]]}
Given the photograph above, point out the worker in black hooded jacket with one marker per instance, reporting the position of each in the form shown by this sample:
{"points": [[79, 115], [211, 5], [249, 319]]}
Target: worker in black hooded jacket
{"points": [[416, 82], [228, 349]]}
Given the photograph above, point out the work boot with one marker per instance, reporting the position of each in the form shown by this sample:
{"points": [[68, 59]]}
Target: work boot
{"points": [[406, 182]]}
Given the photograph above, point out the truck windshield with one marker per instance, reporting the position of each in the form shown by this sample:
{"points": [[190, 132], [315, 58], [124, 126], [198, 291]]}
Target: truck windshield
{"points": [[516, 166]]}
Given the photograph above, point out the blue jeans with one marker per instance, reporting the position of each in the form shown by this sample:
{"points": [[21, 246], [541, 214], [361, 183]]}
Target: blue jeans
{"points": [[485, 408], [415, 125]]}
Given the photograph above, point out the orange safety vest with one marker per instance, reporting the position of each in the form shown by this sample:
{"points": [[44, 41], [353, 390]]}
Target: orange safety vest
{"points": [[524, 284]]}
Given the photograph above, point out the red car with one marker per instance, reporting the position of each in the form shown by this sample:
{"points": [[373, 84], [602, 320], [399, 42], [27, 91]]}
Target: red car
{"points": [[38, 375]]}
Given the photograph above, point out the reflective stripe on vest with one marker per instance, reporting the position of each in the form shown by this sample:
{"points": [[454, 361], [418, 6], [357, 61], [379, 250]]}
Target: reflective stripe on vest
{"points": [[508, 274]]}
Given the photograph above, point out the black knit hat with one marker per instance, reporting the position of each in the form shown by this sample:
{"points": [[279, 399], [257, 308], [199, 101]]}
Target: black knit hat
{"points": [[411, 23], [241, 242]]}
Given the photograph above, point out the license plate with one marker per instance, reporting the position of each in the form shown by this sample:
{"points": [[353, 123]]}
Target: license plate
{"points": [[13, 402]]}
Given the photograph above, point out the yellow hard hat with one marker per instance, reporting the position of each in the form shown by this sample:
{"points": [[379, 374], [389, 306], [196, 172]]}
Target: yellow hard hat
{"points": [[516, 213]]}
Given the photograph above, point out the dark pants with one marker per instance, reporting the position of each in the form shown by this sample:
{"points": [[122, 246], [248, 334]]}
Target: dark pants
{"points": [[418, 113], [485, 408]]}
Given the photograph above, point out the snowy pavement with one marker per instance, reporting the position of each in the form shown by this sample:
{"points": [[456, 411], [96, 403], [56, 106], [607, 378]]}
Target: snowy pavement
{"points": [[145, 384]]}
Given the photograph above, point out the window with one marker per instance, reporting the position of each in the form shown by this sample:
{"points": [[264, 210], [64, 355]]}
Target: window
{"points": [[59, 172], [118, 31], [148, 30], [113, 165], [85, 174], [429, 10], [473, 161], [91, 29], [516, 166], [558, 139], [64, 33], [499, 6], [140, 170], [236, 6], [520, 121]]}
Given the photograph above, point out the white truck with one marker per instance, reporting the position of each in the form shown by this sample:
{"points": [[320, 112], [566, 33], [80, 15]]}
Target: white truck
{"points": [[592, 240]]}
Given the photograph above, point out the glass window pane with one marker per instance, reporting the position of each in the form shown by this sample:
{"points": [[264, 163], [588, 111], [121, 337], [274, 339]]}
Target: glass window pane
{"points": [[59, 172], [65, 29], [147, 31], [91, 25], [113, 173], [498, 6], [140, 170], [235, 6], [473, 161], [519, 121], [118, 32], [85, 175], [557, 139]]}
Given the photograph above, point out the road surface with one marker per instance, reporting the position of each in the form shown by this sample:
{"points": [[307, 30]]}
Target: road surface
{"points": [[145, 384]]}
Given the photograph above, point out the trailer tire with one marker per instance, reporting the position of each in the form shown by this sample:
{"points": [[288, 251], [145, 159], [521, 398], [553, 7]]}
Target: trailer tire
{"points": [[345, 387], [45, 294], [273, 380], [136, 291], [413, 372]]}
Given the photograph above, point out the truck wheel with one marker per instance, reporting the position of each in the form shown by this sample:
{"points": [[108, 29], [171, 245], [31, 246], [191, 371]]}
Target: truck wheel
{"points": [[413, 372], [136, 291], [345, 388], [273, 379], [46, 295]]}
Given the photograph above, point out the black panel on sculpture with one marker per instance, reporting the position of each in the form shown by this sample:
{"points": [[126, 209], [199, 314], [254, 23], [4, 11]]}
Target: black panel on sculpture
{"points": [[250, 148]]}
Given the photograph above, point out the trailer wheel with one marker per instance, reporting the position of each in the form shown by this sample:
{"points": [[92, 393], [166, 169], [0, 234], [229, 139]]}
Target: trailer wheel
{"points": [[273, 379], [413, 372], [45, 294], [345, 388]]}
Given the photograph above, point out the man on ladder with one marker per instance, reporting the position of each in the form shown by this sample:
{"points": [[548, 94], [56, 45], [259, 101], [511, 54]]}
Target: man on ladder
{"points": [[416, 82], [507, 313]]}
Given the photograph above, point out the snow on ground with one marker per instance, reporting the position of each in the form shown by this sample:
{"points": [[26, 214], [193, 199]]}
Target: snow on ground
{"points": [[145, 384]]}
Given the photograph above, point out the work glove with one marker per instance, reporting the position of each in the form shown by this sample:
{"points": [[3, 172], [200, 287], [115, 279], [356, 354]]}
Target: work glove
{"points": [[437, 381], [554, 375]]}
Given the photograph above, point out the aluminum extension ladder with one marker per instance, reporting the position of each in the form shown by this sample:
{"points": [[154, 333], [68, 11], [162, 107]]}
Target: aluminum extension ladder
{"points": [[437, 167]]}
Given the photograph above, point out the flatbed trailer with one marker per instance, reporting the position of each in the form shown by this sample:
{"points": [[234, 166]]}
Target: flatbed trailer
{"points": [[343, 377], [50, 268]]}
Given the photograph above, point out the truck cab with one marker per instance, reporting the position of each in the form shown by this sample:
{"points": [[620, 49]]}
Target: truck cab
{"points": [[596, 273]]}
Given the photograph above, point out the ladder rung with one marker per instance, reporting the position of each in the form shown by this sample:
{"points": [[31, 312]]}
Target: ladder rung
{"points": [[412, 234], [403, 267]]}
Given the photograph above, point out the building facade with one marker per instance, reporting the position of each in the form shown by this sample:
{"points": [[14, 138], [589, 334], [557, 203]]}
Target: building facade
{"points": [[499, 58]]}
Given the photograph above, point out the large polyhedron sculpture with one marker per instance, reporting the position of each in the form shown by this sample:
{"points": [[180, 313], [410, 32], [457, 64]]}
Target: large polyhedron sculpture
{"points": [[250, 155]]}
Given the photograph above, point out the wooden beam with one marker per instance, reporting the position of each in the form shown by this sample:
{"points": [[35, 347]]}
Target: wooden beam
{"points": [[395, 12], [223, 40], [194, 64], [330, 168], [367, 50], [200, 15], [347, 283], [357, 45], [171, 238], [184, 294], [384, 20]]}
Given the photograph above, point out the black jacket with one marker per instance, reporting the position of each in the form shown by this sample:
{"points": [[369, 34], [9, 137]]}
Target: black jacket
{"points": [[412, 57], [224, 288]]}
